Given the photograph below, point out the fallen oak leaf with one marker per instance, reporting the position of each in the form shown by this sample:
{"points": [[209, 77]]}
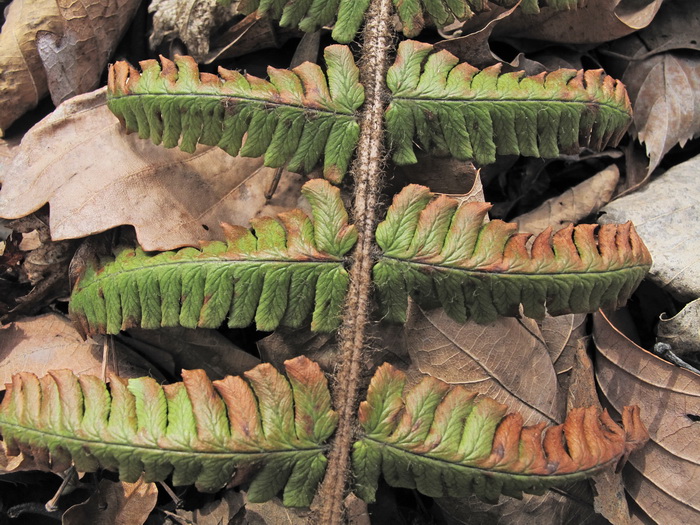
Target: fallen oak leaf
{"points": [[172, 198]]}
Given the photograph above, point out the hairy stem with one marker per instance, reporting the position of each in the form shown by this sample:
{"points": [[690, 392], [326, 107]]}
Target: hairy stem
{"points": [[367, 172]]}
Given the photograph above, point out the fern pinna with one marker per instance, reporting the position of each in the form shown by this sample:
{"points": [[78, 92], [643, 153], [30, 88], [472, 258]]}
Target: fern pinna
{"points": [[440, 440], [296, 118], [301, 116], [289, 269], [443, 252], [434, 249], [346, 15]]}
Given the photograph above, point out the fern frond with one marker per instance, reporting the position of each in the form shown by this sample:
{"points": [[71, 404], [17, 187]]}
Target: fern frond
{"points": [[442, 253], [347, 15], [287, 269], [198, 430], [475, 114], [444, 441], [297, 118]]}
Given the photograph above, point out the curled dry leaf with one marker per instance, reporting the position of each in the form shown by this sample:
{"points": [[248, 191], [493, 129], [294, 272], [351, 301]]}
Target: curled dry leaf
{"points": [[663, 477], [666, 214], [116, 503], [192, 22], [682, 331], [23, 79], [574, 204], [172, 198], [594, 21], [74, 57]]}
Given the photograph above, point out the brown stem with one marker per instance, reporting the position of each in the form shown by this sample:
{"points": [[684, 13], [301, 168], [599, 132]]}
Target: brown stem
{"points": [[367, 172]]}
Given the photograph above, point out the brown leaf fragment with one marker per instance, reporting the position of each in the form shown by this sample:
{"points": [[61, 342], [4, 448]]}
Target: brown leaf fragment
{"points": [[272, 512], [47, 342], [23, 79], [116, 503], [574, 204], [190, 21], [75, 57], [594, 21], [665, 90], [484, 358], [187, 348], [221, 511], [682, 331], [172, 198], [663, 477]]}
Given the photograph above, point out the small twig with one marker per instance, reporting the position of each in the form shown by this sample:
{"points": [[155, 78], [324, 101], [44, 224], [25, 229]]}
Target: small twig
{"points": [[664, 351], [105, 357], [70, 476], [178, 502], [272, 188]]}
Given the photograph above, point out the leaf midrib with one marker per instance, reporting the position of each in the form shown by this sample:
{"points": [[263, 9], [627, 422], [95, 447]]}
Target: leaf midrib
{"points": [[417, 100], [98, 278], [157, 448], [251, 100], [510, 274], [493, 473]]}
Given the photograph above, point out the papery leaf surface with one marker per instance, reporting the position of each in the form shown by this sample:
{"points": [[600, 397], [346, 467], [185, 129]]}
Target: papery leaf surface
{"points": [[286, 270], [298, 118], [200, 431], [443, 253], [453, 108], [347, 15], [446, 441]]}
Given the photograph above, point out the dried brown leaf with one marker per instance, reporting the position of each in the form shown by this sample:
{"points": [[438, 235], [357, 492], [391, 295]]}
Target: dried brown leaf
{"points": [[96, 177], [189, 20], [116, 503], [23, 79], [506, 360], [682, 331], [185, 348], [663, 477], [594, 21], [573, 205], [272, 512], [49, 342], [75, 57], [665, 90], [552, 508], [563, 335], [219, 512]]}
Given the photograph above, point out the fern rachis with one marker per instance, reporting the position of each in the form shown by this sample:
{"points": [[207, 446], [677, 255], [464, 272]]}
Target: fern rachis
{"points": [[292, 269]]}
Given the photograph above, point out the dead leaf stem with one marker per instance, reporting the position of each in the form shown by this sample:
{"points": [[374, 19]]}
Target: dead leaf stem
{"points": [[367, 174]]}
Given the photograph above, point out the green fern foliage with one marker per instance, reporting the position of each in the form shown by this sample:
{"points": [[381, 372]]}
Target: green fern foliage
{"points": [[440, 440], [471, 114], [347, 15], [198, 430], [297, 118], [286, 270], [445, 441], [443, 253]]}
